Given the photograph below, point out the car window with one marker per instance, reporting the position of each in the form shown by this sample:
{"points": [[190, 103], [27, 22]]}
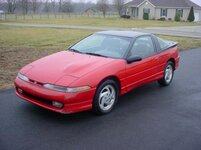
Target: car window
{"points": [[105, 45], [90, 42], [143, 47], [162, 43]]}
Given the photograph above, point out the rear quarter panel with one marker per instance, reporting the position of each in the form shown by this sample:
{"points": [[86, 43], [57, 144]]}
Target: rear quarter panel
{"points": [[167, 55]]}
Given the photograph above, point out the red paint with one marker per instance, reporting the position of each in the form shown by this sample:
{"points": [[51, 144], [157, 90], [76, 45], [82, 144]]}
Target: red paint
{"points": [[73, 69]]}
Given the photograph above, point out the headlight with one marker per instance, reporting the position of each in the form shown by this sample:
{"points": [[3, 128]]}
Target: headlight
{"points": [[66, 89], [23, 77]]}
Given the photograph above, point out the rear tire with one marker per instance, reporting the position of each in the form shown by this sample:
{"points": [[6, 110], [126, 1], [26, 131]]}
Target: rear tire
{"points": [[105, 98], [168, 74]]}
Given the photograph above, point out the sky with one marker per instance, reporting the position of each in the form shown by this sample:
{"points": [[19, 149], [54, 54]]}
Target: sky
{"points": [[197, 2], [94, 1]]}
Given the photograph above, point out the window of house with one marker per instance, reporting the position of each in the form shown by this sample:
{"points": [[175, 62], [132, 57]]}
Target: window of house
{"points": [[146, 10], [180, 12], [127, 11], [135, 12], [163, 12]]}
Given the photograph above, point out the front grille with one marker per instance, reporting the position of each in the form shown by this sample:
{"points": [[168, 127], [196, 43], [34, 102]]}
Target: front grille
{"points": [[42, 100]]}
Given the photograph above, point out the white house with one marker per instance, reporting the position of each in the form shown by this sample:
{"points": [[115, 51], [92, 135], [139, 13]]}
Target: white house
{"points": [[162, 9]]}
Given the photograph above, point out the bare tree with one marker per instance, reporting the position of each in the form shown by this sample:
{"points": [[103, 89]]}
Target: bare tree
{"points": [[119, 5], [60, 5], [47, 7], [11, 6], [34, 5], [67, 6], [102, 5], [25, 6], [53, 6]]}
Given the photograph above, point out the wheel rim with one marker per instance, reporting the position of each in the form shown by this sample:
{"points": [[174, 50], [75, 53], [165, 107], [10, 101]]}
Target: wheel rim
{"points": [[168, 73], [107, 97]]}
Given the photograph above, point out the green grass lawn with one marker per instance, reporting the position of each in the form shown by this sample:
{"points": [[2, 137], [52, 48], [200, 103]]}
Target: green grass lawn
{"points": [[58, 39], [22, 45], [98, 21], [39, 38]]}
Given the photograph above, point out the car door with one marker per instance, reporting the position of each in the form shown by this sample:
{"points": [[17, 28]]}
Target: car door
{"points": [[143, 71]]}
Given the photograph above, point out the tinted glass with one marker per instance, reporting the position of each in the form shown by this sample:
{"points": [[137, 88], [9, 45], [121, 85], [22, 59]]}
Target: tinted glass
{"points": [[162, 43], [143, 47], [105, 45]]}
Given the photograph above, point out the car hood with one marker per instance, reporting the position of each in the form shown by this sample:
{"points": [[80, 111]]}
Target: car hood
{"points": [[65, 64]]}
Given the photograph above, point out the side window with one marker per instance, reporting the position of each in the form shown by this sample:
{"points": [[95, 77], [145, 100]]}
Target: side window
{"points": [[143, 47], [162, 43]]}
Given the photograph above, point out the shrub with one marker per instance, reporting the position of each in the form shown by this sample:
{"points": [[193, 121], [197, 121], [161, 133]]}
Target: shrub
{"points": [[177, 17], [146, 16], [162, 19], [126, 16], [191, 16], [170, 19]]}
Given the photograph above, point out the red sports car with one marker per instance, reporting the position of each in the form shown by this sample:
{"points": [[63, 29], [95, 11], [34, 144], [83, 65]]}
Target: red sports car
{"points": [[94, 72]]}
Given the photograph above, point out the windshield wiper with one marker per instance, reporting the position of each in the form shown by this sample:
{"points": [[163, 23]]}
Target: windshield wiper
{"points": [[95, 54], [74, 50]]}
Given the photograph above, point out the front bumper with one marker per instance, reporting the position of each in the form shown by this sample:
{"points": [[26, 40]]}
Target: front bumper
{"points": [[36, 94]]}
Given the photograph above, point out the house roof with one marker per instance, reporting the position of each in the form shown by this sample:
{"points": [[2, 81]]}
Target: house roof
{"points": [[165, 3], [92, 9]]}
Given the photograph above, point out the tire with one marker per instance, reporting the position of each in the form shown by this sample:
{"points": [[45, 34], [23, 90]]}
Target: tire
{"points": [[105, 98], [168, 74]]}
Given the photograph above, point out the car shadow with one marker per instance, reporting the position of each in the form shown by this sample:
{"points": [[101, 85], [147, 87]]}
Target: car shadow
{"points": [[135, 99], [54, 116]]}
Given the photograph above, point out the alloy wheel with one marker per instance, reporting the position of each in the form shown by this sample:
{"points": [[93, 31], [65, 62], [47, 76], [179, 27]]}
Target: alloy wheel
{"points": [[107, 97]]}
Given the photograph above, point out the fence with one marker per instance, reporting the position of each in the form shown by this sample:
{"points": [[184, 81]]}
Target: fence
{"points": [[14, 17]]}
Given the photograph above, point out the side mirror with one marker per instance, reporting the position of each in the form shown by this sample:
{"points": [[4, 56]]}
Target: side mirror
{"points": [[132, 59]]}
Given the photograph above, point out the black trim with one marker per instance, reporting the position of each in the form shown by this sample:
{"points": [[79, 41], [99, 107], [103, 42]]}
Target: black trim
{"points": [[37, 98]]}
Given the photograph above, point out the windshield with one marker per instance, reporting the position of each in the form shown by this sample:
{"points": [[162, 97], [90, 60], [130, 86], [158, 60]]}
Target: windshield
{"points": [[103, 45]]}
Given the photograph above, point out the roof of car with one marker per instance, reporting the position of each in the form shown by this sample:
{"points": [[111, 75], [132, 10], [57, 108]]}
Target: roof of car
{"points": [[130, 34]]}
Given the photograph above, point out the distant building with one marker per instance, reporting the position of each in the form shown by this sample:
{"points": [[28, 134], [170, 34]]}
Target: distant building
{"points": [[162, 9], [111, 10], [90, 11]]}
